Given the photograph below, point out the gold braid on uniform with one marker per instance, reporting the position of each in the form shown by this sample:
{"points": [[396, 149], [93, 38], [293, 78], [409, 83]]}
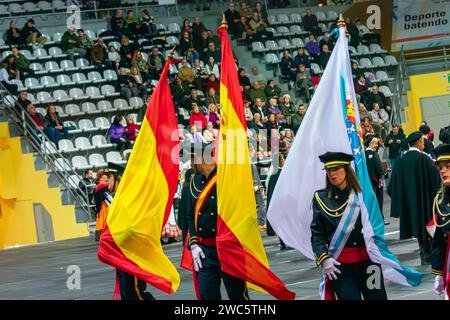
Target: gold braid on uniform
{"points": [[436, 208], [327, 210], [192, 184]]}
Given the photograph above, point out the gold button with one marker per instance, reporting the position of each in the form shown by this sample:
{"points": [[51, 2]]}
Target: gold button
{"points": [[354, 243], [443, 218], [212, 197], [212, 213], [213, 230], [203, 181], [199, 213], [336, 197], [200, 229]]}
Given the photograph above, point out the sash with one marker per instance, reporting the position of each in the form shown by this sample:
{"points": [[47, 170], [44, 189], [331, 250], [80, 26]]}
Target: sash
{"points": [[339, 240], [446, 273], [203, 196]]}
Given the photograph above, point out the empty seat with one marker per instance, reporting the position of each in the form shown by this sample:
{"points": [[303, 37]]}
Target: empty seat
{"points": [[30, 7], [378, 61], [95, 77], [61, 95], [383, 76], [391, 60], [56, 52], [283, 18], [89, 108], [110, 75], [59, 5], [82, 63], [80, 163], [36, 66], [284, 44], [80, 78], [295, 29], [77, 94], [136, 102], [363, 49], [74, 179], [64, 80], [66, 145], [386, 90], [297, 43], [73, 110], [68, 65], [272, 19], [19, 84], [44, 6], [258, 46], [332, 15], [62, 164], [174, 27], [323, 27], [49, 147], [57, 37], [172, 41], [108, 90], [52, 66], [44, 97], [120, 104], [321, 16], [295, 17], [365, 63], [97, 160], [272, 58], [316, 68], [86, 125], [283, 30], [272, 45], [99, 141], [104, 105], [41, 53], [93, 92], [102, 123], [375, 48], [83, 144], [16, 8], [115, 157], [48, 81], [90, 34], [352, 50]]}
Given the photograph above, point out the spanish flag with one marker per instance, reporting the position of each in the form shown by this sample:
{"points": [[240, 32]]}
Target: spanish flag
{"points": [[239, 244], [130, 240]]}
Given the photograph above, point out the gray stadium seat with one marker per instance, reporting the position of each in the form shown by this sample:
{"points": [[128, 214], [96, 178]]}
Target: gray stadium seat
{"points": [[136, 102], [48, 82], [86, 125], [41, 53], [95, 77], [272, 58], [49, 147], [102, 123], [110, 75], [378, 62], [44, 97], [61, 95], [115, 157], [94, 93], [77, 94], [283, 18], [320, 16], [68, 65], [80, 78], [386, 90], [295, 18], [52, 66], [391, 60], [120, 104], [89, 108], [109, 91], [104, 106], [62, 164], [66, 145], [72, 124], [83, 144], [80, 163], [74, 179], [383, 76], [97, 160], [64, 80], [73, 110], [56, 52], [99, 141]]}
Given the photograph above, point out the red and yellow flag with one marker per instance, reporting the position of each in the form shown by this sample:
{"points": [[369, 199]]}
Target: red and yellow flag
{"points": [[130, 240], [239, 244]]}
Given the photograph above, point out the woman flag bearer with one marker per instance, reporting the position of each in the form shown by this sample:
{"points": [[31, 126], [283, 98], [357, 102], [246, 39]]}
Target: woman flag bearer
{"points": [[439, 227], [336, 235]]}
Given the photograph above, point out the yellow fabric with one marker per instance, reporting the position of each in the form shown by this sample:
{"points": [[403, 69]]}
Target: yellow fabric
{"points": [[201, 198], [136, 215], [441, 158], [235, 193]]}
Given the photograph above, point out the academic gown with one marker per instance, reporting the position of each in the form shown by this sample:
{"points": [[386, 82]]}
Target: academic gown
{"points": [[413, 185]]}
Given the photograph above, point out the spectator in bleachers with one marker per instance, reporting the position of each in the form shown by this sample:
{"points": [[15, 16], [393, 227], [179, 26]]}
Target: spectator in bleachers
{"points": [[288, 136], [326, 40], [193, 136], [213, 37], [156, 64], [11, 68], [356, 70], [187, 49], [197, 32], [140, 83], [114, 57], [118, 24], [363, 113], [261, 11], [55, 125], [22, 101], [367, 129], [377, 96], [87, 184], [245, 10], [324, 56], [126, 52], [212, 51], [132, 25], [257, 122], [180, 92], [286, 107], [311, 23], [71, 44], [213, 83], [288, 66], [312, 46], [272, 90], [302, 58], [212, 67], [213, 97], [257, 93], [214, 115], [185, 72], [361, 86], [429, 134], [248, 112], [258, 26], [303, 82], [38, 122], [197, 118], [260, 108], [148, 23], [255, 75], [139, 62], [210, 133], [381, 117], [353, 32], [117, 134], [393, 142], [273, 108], [272, 125], [297, 118], [233, 18], [99, 56], [186, 27], [132, 129], [13, 36], [244, 81], [201, 45], [86, 42], [244, 32], [31, 35], [4, 79], [194, 98], [127, 85], [200, 75]]}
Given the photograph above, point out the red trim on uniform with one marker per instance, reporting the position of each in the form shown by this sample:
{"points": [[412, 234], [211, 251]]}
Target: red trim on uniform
{"points": [[353, 255], [209, 242]]}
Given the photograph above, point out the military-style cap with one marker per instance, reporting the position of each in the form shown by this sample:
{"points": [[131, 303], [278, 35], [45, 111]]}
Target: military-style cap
{"points": [[335, 159], [115, 167], [413, 137], [442, 152]]}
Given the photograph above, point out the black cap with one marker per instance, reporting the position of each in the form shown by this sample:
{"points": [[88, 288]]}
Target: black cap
{"points": [[442, 152], [413, 137], [115, 167], [424, 129], [336, 159]]}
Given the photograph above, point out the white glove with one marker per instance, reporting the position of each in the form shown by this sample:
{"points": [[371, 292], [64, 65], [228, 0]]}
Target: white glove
{"points": [[329, 268], [438, 285], [197, 255]]}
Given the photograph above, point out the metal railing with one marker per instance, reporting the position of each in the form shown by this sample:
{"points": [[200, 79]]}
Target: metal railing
{"points": [[43, 147], [396, 114]]}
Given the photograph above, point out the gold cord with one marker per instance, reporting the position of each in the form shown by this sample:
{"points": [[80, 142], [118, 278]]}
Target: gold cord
{"points": [[192, 184], [327, 210], [436, 208]]}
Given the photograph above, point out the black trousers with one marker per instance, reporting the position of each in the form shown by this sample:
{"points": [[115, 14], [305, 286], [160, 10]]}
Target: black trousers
{"points": [[132, 288], [210, 276], [356, 279]]}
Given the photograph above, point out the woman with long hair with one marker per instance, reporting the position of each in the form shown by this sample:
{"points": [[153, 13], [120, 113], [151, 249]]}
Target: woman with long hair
{"points": [[105, 189], [13, 35], [55, 125], [139, 62], [336, 234]]}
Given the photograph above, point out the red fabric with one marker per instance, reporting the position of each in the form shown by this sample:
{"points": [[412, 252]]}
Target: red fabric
{"points": [[109, 253], [198, 119], [100, 186], [237, 262], [353, 255], [188, 263], [210, 242], [445, 274], [315, 80], [116, 294], [130, 131], [38, 120], [213, 84]]}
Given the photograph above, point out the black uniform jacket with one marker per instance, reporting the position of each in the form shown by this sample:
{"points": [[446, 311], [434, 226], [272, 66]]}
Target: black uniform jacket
{"points": [[326, 219], [207, 216], [440, 239]]}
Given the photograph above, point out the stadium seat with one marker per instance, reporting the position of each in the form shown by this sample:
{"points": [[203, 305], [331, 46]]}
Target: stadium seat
{"points": [[36, 66], [258, 47], [94, 93], [284, 44], [49, 147], [72, 124], [104, 106], [27, 54], [102, 123], [56, 52], [80, 163], [99, 141], [57, 36], [375, 48], [42, 111], [68, 65], [283, 19], [120, 104], [172, 41], [296, 30], [332, 15], [391, 60], [91, 34], [73, 110], [321, 16], [61, 95], [383, 76], [44, 6], [115, 157], [297, 43], [352, 50], [271, 45], [363, 49], [272, 58], [97, 160], [77, 94], [83, 144], [74, 179], [295, 18], [41, 53], [16, 8], [324, 29], [378, 62], [110, 75], [62, 164], [95, 77], [44, 97], [64, 80], [86, 125], [174, 28], [109, 91], [365, 63], [66, 145], [52, 66], [283, 30], [20, 86], [80, 78], [59, 5], [316, 68], [136, 102], [386, 90], [272, 20], [89, 108], [83, 64], [48, 82]]}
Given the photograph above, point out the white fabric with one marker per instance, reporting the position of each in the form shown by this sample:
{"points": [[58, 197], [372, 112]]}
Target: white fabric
{"points": [[197, 256]]}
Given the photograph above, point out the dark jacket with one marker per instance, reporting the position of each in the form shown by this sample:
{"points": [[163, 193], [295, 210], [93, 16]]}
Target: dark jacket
{"points": [[52, 122], [286, 65], [26, 31], [117, 24], [440, 239], [394, 147]]}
